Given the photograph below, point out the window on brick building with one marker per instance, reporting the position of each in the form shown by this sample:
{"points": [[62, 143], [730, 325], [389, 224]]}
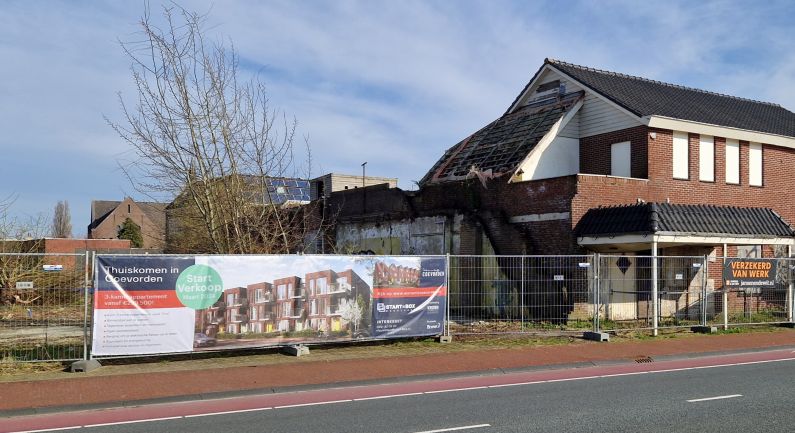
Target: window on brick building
{"points": [[755, 164], [621, 159], [732, 161], [749, 251], [706, 158], [680, 155]]}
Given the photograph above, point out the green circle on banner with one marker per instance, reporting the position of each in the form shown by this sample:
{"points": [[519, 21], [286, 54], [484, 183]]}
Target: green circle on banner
{"points": [[199, 286]]}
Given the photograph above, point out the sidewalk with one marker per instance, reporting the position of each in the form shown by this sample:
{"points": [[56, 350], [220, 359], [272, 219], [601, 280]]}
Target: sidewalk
{"points": [[98, 388]]}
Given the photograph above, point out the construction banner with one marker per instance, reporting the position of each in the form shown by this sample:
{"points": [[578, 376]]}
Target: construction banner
{"points": [[750, 273], [152, 304]]}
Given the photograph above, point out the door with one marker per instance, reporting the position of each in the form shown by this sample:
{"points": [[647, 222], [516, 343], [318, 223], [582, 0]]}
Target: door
{"points": [[621, 287]]}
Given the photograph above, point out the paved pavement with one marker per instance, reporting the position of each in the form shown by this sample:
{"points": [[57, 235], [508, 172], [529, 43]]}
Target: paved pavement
{"points": [[96, 390]]}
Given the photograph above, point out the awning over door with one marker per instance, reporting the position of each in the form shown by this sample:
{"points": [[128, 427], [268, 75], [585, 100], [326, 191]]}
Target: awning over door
{"points": [[634, 227]]}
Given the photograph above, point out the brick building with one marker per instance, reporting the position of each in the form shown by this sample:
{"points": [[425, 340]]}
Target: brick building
{"points": [[589, 160], [107, 218], [577, 139]]}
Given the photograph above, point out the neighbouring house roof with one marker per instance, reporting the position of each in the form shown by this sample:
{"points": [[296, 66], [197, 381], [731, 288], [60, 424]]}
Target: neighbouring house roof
{"points": [[651, 218], [100, 209], [280, 191], [645, 97], [503, 144], [284, 189]]}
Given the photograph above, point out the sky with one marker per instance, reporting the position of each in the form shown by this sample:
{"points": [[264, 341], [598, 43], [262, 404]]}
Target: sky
{"points": [[392, 83]]}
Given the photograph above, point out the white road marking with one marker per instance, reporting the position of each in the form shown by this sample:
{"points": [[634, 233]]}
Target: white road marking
{"points": [[456, 389], [442, 391], [136, 421], [312, 404], [50, 429], [387, 396], [466, 427], [226, 412], [720, 397]]}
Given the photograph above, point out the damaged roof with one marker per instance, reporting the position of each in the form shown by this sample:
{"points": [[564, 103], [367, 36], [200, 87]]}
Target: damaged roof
{"points": [[503, 144], [650, 218], [644, 97]]}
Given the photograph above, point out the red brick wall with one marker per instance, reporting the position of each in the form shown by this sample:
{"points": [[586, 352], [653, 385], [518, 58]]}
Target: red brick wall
{"points": [[153, 236], [777, 165], [595, 151]]}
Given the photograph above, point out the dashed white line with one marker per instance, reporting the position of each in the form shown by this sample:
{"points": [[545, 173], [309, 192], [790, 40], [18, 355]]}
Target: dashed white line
{"points": [[720, 397], [466, 427]]}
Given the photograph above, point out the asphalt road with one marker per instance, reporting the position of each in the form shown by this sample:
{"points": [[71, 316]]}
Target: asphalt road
{"points": [[740, 394]]}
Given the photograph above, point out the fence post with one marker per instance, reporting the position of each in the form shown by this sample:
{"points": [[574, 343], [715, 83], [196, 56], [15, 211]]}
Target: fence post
{"points": [[521, 294], [448, 297], [596, 289], [790, 286], [86, 282], [655, 302], [725, 294], [705, 300]]}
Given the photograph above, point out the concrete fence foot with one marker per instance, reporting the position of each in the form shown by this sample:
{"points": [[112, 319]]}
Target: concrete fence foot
{"points": [[84, 366], [596, 336], [446, 339], [297, 350]]}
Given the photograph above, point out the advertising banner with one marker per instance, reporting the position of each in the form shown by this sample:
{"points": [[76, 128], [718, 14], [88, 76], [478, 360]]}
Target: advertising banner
{"points": [[749, 273], [409, 300], [167, 304]]}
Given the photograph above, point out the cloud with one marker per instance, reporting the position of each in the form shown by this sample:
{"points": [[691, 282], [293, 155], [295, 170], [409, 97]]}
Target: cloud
{"points": [[391, 83]]}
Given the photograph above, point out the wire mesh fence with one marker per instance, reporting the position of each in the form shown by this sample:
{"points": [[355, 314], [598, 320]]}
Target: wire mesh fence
{"points": [[757, 304], [626, 292], [46, 301], [43, 307], [497, 294]]}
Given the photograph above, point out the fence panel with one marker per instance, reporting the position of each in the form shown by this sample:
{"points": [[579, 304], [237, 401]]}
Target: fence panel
{"points": [[514, 294], [43, 307], [758, 304], [684, 292]]}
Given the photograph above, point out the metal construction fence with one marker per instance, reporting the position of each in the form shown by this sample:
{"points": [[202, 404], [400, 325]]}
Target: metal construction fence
{"points": [[535, 294], [46, 300], [44, 306]]}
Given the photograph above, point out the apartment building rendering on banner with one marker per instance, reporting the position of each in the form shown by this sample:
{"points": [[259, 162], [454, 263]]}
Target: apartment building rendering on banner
{"points": [[288, 304]]}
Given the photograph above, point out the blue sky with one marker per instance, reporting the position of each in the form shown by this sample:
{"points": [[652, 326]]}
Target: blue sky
{"points": [[393, 83]]}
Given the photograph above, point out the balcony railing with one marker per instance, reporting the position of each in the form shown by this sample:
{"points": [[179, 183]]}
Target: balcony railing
{"points": [[240, 318], [268, 297], [240, 302]]}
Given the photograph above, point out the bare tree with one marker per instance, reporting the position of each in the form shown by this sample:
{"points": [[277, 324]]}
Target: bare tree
{"points": [[62, 221], [21, 245], [207, 137]]}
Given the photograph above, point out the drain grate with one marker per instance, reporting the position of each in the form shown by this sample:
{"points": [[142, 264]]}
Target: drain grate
{"points": [[644, 360]]}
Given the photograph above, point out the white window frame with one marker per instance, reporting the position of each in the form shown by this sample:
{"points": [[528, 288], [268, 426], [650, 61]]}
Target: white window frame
{"points": [[732, 161], [706, 158], [680, 155], [755, 164], [621, 159]]}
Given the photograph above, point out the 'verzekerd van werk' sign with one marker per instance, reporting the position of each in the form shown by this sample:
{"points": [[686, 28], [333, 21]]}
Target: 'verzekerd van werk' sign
{"points": [[750, 272]]}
